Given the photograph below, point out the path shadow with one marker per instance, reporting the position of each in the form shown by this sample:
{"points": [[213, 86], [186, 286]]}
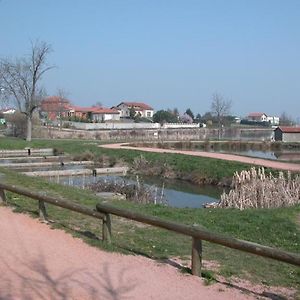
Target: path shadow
{"points": [[187, 270], [27, 277], [80, 233], [33, 279]]}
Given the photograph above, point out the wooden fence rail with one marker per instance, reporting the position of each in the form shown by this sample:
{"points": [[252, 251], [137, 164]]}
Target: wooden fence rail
{"points": [[42, 197], [202, 234], [198, 234]]}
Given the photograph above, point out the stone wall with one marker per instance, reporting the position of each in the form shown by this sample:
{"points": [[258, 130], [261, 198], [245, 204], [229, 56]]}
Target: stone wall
{"points": [[127, 126], [154, 134]]}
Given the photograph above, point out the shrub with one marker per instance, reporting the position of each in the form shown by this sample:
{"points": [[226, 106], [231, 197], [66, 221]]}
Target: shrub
{"points": [[85, 156]]}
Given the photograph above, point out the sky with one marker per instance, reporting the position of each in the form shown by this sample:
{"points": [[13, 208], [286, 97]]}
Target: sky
{"points": [[166, 53]]}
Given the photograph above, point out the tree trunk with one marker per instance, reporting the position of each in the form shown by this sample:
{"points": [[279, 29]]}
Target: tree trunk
{"points": [[29, 128]]}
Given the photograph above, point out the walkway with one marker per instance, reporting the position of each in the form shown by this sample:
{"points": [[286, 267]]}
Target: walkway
{"points": [[243, 159], [37, 262]]}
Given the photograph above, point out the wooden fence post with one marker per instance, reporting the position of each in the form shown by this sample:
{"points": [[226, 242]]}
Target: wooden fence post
{"points": [[106, 228], [3, 200], [196, 256], [42, 211]]}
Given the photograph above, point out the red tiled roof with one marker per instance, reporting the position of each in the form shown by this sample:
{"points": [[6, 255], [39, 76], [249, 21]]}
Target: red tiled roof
{"points": [[104, 110], [141, 105], [80, 108], [94, 109], [256, 114], [289, 129]]}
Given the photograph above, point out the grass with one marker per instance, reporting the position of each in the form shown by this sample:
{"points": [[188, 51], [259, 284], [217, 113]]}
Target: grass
{"points": [[186, 166], [272, 227]]}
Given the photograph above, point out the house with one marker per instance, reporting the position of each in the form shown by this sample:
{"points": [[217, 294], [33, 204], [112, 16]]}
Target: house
{"points": [[273, 120], [144, 110], [94, 113], [257, 117], [105, 114], [54, 107], [262, 117], [287, 134]]}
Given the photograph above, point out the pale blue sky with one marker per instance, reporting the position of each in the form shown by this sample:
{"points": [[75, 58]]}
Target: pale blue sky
{"points": [[165, 53]]}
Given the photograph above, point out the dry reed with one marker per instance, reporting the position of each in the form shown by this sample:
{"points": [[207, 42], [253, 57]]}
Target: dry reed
{"points": [[256, 189], [137, 191]]}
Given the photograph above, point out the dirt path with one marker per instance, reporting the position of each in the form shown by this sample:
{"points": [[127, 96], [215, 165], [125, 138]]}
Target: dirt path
{"points": [[37, 262], [249, 160]]}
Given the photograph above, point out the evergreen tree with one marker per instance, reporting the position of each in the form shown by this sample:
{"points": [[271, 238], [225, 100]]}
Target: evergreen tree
{"points": [[190, 113]]}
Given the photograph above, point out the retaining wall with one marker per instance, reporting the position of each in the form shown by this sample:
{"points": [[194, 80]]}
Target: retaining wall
{"points": [[155, 134]]}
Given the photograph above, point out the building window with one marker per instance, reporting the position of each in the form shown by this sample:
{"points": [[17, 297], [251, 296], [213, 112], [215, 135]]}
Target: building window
{"points": [[149, 114]]}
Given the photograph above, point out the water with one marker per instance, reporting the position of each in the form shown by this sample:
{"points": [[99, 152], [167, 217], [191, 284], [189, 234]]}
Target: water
{"points": [[254, 153], [79, 181], [176, 193], [183, 199], [273, 155]]}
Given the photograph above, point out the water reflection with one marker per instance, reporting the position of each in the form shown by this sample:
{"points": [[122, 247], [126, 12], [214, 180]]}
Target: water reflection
{"points": [[273, 155], [254, 153]]}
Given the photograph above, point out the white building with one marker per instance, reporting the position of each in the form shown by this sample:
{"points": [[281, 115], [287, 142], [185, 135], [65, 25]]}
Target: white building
{"points": [[273, 120], [144, 110], [94, 113], [258, 117], [262, 117]]}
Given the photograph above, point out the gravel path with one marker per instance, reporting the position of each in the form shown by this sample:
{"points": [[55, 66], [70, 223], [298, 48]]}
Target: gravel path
{"points": [[37, 262], [249, 160]]}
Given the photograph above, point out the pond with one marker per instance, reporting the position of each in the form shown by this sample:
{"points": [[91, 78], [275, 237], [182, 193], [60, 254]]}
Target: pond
{"points": [[267, 154], [252, 153], [175, 193]]}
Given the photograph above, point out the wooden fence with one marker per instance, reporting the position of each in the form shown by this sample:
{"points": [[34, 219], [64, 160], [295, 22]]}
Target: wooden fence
{"points": [[103, 212]]}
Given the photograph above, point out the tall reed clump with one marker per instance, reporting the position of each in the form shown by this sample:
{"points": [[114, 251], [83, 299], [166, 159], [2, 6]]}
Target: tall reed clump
{"points": [[255, 189]]}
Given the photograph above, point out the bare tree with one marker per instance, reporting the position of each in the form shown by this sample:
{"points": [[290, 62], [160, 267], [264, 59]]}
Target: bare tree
{"points": [[3, 92], [220, 108], [98, 104], [20, 80], [62, 105], [285, 120]]}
